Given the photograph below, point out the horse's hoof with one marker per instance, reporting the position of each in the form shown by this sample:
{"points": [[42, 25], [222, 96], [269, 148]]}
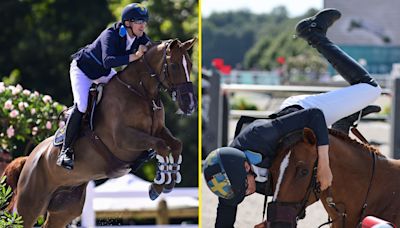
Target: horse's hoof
{"points": [[153, 194], [168, 188]]}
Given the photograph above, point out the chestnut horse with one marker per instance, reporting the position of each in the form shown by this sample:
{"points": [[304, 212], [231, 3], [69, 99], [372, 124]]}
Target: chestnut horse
{"points": [[364, 182], [129, 121]]}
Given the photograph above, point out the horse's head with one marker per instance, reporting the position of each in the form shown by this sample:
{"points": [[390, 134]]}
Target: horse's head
{"points": [[294, 179], [173, 71]]}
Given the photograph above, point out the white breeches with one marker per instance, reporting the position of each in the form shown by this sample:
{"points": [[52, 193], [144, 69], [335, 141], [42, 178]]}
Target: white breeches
{"points": [[338, 103], [80, 84]]}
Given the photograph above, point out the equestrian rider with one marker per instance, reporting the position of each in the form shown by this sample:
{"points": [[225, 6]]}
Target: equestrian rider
{"points": [[231, 172], [116, 46]]}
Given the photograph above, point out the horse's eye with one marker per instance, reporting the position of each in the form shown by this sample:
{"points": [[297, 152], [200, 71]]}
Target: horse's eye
{"points": [[304, 172], [301, 172]]}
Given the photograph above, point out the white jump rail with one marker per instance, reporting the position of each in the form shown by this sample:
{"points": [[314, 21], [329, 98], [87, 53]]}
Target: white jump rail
{"points": [[88, 217], [282, 88]]}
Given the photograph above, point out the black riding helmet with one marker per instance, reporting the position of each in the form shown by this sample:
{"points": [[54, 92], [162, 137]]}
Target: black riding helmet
{"points": [[225, 174], [134, 12]]}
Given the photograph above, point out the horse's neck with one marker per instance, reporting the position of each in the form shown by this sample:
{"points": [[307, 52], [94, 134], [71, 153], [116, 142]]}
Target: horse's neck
{"points": [[350, 160], [138, 76], [355, 182]]}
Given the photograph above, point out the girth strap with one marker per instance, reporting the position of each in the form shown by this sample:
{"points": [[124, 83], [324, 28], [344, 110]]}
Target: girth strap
{"points": [[101, 148], [114, 162]]}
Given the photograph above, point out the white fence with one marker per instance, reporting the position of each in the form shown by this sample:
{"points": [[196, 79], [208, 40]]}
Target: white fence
{"points": [[88, 218]]}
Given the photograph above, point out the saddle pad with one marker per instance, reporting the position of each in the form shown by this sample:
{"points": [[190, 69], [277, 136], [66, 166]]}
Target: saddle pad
{"points": [[59, 136]]}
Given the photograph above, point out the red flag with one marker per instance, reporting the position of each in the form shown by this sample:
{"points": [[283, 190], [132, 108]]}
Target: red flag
{"points": [[218, 63], [281, 60], [226, 69]]}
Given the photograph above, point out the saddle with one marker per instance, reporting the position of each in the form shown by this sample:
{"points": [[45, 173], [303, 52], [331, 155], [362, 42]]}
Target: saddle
{"points": [[95, 95]]}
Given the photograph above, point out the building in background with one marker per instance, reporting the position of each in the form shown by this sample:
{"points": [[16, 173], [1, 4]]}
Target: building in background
{"points": [[369, 31]]}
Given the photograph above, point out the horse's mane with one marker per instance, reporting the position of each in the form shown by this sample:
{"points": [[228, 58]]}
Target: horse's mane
{"points": [[290, 140], [346, 138]]}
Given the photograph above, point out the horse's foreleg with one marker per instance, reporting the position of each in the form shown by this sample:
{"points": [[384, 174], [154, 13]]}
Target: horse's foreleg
{"points": [[175, 158], [130, 139]]}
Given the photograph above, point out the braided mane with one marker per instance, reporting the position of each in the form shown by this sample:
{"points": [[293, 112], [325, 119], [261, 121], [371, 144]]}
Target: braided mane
{"points": [[290, 140], [346, 138]]}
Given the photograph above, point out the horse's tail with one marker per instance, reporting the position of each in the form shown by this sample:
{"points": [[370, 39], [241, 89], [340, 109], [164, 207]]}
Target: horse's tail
{"points": [[12, 172]]}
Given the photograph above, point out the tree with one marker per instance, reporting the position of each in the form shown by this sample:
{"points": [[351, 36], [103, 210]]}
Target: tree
{"points": [[42, 35]]}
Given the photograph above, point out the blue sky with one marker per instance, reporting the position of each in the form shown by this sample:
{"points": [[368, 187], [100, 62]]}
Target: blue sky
{"points": [[294, 7]]}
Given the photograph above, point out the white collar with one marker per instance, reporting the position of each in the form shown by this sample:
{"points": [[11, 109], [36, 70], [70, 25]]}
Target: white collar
{"points": [[129, 41]]}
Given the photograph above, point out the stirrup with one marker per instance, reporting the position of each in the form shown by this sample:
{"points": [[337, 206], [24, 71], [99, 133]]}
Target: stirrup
{"points": [[66, 159]]}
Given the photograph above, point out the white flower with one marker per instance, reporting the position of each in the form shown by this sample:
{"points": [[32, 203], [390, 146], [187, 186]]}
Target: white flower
{"points": [[14, 113], [34, 130], [2, 87], [33, 111], [35, 94], [48, 125], [10, 131], [47, 99], [26, 92], [8, 105], [21, 106], [16, 89]]}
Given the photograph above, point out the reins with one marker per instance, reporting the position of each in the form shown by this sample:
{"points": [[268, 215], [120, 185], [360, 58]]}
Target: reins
{"points": [[152, 73], [343, 214]]}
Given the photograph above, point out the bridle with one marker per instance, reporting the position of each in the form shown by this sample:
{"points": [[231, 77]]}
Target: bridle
{"points": [[163, 83], [290, 212]]}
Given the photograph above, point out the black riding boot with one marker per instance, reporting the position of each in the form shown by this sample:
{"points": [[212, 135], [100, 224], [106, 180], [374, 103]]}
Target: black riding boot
{"points": [[313, 30], [345, 123], [66, 156]]}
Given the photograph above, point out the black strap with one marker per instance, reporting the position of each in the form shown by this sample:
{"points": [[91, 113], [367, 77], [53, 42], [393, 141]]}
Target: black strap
{"points": [[330, 221], [369, 189]]}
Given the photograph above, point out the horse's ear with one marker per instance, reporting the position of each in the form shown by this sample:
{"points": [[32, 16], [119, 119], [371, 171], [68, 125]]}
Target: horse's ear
{"points": [[309, 136], [172, 44], [189, 44]]}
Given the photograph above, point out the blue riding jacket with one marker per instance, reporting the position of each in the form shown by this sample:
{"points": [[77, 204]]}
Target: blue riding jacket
{"points": [[107, 51]]}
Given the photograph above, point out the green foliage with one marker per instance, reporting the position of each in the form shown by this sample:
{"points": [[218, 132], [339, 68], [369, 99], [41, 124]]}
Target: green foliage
{"points": [[26, 118], [8, 220], [41, 35], [242, 104], [255, 41]]}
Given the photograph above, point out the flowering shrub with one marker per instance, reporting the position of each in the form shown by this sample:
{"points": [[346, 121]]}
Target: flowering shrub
{"points": [[26, 118]]}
